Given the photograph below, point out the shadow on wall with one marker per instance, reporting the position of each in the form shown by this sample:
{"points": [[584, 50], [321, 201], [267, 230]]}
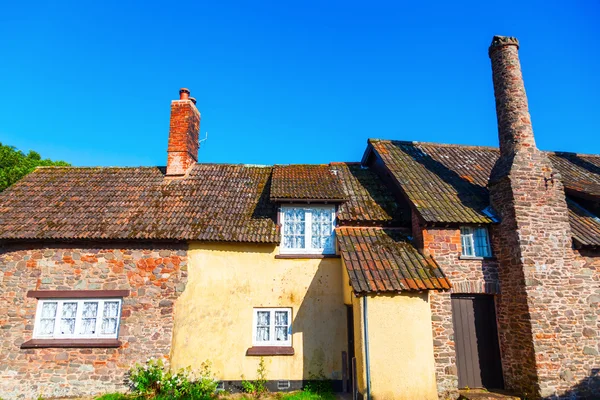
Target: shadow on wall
{"points": [[587, 389], [322, 320]]}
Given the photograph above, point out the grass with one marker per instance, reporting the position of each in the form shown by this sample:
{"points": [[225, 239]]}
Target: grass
{"points": [[299, 395]]}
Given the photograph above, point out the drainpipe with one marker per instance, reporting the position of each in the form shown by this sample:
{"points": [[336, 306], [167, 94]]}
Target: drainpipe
{"points": [[366, 333]]}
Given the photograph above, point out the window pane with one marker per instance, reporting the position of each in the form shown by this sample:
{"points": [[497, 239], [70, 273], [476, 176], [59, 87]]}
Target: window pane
{"points": [[281, 318], [49, 310], [67, 321], [322, 227], [48, 318], [263, 318], [281, 333], [294, 220], [466, 237], [482, 245], [89, 314], [262, 334], [109, 322]]}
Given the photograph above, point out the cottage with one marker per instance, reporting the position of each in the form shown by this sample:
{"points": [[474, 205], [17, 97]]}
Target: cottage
{"points": [[420, 270]]}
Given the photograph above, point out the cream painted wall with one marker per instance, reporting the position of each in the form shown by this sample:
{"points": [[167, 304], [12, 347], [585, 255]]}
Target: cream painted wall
{"points": [[213, 316], [400, 346]]}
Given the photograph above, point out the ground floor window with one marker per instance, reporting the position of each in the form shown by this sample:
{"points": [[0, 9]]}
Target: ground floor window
{"points": [[272, 327], [77, 318]]}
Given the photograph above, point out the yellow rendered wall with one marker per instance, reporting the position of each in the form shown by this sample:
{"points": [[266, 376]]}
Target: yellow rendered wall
{"points": [[400, 346], [213, 316]]}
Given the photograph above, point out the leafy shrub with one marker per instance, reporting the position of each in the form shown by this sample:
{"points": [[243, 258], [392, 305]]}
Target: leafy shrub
{"points": [[115, 396], [152, 380], [257, 387]]}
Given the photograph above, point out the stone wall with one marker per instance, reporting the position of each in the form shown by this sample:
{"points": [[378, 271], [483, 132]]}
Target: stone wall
{"points": [[154, 274], [466, 276]]}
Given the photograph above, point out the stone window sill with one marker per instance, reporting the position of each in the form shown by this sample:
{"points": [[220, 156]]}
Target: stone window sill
{"points": [[270, 351], [300, 256], [476, 258], [71, 343]]}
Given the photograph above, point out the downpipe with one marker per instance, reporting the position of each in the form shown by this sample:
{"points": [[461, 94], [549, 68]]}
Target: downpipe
{"points": [[367, 361]]}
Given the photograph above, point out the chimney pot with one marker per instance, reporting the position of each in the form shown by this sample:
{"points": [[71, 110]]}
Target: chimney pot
{"points": [[501, 41], [193, 99], [184, 94]]}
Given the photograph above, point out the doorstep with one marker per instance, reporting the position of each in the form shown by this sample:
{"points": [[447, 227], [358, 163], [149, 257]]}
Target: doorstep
{"points": [[482, 394]]}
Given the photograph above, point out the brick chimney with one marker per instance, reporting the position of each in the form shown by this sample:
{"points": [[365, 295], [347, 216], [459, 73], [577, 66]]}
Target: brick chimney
{"points": [[532, 244], [184, 129]]}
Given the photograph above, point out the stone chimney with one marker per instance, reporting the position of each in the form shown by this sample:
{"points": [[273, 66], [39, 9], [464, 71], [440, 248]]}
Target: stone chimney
{"points": [[533, 246], [184, 129]]}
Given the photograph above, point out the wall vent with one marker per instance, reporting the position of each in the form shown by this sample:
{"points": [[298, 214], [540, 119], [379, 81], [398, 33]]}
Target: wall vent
{"points": [[282, 385], [221, 385]]}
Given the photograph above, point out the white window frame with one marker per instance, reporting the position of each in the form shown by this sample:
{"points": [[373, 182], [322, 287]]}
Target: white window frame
{"points": [[272, 342], [78, 318], [308, 230], [467, 233]]}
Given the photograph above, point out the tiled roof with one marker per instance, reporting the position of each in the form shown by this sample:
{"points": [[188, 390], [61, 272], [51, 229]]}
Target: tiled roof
{"points": [[445, 184], [370, 201], [448, 183], [383, 260], [585, 227], [212, 203], [305, 182], [580, 172]]}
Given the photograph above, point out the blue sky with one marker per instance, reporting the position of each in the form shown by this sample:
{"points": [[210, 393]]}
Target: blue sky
{"points": [[287, 81]]}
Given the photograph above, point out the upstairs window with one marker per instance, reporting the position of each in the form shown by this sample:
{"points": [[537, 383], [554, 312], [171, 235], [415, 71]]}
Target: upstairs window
{"points": [[272, 327], [308, 230], [77, 318], [475, 242]]}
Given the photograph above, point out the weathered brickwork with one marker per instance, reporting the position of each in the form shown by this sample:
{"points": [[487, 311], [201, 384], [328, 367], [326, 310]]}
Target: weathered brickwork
{"points": [[183, 135], [543, 306], [466, 276], [155, 276]]}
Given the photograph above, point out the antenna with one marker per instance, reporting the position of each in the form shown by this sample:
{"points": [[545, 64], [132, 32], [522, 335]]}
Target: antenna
{"points": [[202, 140]]}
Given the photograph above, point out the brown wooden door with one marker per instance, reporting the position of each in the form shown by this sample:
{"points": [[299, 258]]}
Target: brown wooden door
{"points": [[476, 339]]}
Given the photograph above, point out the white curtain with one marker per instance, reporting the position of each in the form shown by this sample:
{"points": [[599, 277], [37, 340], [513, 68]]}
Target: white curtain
{"points": [[67, 321], [294, 228], [109, 320], [48, 317], [322, 226], [281, 325], [263, 321], [88, 318]]}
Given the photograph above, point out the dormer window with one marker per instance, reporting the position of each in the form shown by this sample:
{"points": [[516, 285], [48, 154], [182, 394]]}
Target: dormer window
{"points": [[308, 229], [475, 241]]}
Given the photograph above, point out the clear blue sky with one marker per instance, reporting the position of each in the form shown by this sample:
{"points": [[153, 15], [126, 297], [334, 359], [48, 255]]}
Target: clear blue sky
{"points": [[287, 81]]}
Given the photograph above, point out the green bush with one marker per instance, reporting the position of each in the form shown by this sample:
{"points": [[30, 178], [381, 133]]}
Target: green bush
{"points": [[152, 380], [258, 387]]}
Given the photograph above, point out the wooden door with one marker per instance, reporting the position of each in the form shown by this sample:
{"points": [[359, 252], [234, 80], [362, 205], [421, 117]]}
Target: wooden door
{"points": [[476, 339]]}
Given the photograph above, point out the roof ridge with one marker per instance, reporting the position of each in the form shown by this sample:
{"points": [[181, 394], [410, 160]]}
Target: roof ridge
{"points": [[471, 146]]}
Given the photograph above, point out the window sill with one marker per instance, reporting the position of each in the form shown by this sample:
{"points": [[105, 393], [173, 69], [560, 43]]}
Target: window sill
{"points": [[71, 343], [291, 256], [475, 258], [270, 351]]}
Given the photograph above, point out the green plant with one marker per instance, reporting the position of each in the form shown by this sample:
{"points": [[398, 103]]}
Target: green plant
{"points": [[115, 396], [152, 380], [257, 387], [319, 385]]}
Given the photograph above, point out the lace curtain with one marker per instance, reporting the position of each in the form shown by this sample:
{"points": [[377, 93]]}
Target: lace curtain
{"points": [[67, 321], [109, 320], [281, 325], [293, 228], [88, 318], [322, 226], [48, 318], [262, 326]]}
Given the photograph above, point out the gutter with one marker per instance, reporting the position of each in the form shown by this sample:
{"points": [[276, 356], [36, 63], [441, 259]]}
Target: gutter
{"points": [[366, 333]]}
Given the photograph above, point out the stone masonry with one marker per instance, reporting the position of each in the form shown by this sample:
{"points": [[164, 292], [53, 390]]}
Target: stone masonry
{"points": [[544, 302], [155, 275], [467, 276]]}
